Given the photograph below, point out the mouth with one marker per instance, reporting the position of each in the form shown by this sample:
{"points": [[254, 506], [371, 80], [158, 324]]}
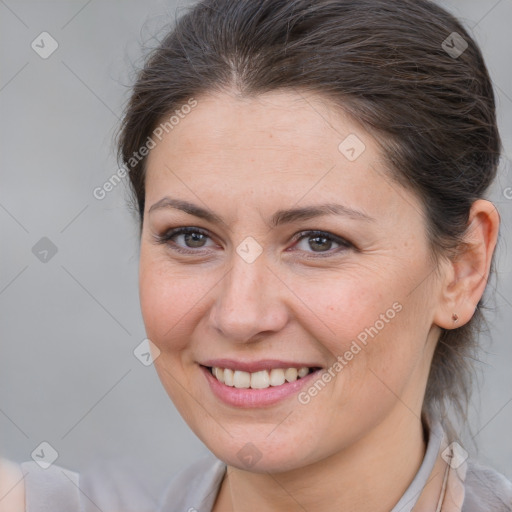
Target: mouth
{"points": [[262, 379], [260, 388]]}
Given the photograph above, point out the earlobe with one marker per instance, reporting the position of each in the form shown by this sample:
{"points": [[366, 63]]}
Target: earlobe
{"points": [[469, 271]]}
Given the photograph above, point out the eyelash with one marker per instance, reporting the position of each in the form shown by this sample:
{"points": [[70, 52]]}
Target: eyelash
{"points": [[166, 239]]}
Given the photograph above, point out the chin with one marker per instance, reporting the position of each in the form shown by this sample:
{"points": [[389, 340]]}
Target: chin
{"points": [[258, 453], [262, 461]]}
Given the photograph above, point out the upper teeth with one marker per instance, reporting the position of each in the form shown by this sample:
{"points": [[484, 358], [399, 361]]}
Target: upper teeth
{"points": [[258, 380]]}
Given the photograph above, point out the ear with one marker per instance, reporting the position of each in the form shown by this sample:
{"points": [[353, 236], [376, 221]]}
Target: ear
{"points": [[466, 274]]}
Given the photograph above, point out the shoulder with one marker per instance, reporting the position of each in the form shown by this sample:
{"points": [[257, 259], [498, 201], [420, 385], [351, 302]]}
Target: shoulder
{"points": [[195, 486], [107, 484], [114, 484], [486, 489]]}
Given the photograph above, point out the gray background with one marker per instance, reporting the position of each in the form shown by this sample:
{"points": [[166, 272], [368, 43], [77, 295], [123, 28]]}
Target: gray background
{"points": [[69, 326]]}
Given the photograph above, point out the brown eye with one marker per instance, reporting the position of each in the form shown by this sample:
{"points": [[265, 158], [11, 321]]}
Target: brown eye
{"points": [[321, 242], [193, 238]]}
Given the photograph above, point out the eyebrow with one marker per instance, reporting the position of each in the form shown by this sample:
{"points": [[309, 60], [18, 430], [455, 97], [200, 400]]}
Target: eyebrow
{"points": [[280, 217]]}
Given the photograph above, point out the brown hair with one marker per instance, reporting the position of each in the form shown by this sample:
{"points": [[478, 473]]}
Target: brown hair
{"points": [[381, 61]]}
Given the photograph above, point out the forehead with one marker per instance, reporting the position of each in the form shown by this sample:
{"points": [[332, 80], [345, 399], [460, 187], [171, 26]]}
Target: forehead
{"points": [[283, 126], [276, 147], [301, 121]]}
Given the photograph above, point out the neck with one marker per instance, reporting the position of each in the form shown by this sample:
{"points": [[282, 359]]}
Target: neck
{"points": [[369, 476]]}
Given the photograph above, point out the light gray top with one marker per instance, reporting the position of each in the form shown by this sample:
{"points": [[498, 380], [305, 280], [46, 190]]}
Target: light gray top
{"points": [[194, 489]]}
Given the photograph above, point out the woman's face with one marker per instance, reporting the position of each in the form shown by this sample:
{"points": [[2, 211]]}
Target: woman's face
{"points": [[255, 290]]}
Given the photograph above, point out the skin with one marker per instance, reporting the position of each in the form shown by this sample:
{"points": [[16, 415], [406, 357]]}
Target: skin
{"points": [[358, 444], [12, 487]]}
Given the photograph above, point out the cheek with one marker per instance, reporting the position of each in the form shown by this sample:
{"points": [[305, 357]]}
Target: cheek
{"points": [[346, 305], [167, 301], [365, 323]]}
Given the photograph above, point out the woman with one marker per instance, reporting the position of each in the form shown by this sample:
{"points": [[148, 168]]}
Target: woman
{"points": [[315, 245]]}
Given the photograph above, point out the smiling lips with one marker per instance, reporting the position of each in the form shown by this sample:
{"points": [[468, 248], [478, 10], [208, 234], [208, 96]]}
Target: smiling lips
{"points": [[258, 380], [256, 383]]}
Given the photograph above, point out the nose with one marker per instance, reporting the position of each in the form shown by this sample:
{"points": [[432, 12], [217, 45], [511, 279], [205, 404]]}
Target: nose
{"points": [[250, 302]]}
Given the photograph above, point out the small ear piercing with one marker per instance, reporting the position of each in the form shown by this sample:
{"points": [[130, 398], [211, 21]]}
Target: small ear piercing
{"points": [[455, 317]]}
